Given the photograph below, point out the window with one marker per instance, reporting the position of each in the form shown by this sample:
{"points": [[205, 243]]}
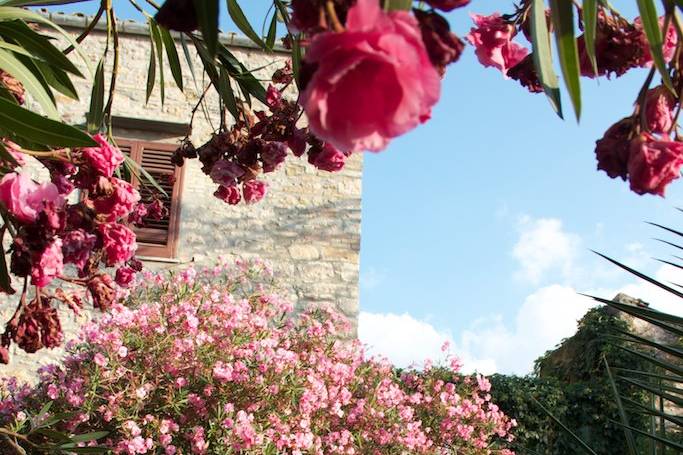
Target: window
{"points": [[158, 238]]}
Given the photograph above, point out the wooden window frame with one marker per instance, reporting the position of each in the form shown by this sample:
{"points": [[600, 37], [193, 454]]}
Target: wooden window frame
{"points": [[170, 250]]}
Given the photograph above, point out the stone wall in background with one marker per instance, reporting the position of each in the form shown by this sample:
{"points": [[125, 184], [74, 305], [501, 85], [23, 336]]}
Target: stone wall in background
{"points": [[307, 227]]}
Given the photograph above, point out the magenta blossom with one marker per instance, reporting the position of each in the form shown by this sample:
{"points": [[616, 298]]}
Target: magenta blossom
{"points": [[329, 159], [77, 246], [125, 276], [48, 265], [372, 82], [24, 198], [492, 39], [119, 243], [105, 158], [120, 202], [654, 164], [230, 194], [254, 191], [659, 107], [225, 172]]}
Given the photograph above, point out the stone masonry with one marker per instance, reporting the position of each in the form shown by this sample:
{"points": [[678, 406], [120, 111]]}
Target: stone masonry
{"points": [[307, 227]]}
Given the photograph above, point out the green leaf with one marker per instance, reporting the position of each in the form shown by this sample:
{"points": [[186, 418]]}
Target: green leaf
{"points": [[5, 280], [590, 21], [37, 2], [244, 77], [297, 56], [650, 20], [151, 70], [577, 439], [54, 435], [630, 441], [24, 123], [89, 436], [227, 94], [10, 64], [58, 79], [207, 16], [654, 360], [139, 171], [562, 13], [392, 5], [172, 54], [95, 115], [37, 45], [10, 14], [15, 48], [543, 61], [188, 59], [238, 17], [156, 35], [272, 32], [664, 441]]}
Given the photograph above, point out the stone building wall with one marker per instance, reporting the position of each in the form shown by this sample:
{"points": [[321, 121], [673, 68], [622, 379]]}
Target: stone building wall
{"points": [[307, 227]]}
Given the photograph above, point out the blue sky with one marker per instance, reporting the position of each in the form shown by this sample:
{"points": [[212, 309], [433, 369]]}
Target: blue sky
{"points": [[477, 225]]}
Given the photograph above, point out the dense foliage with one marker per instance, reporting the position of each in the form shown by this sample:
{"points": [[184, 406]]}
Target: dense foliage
{"points": [[213, 362], [571, 382]]}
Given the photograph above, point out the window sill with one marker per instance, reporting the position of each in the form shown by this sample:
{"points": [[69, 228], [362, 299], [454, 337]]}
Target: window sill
{"points": [[160, 259]]}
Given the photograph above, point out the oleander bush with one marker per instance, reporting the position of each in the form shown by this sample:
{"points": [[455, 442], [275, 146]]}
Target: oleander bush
{"points": [[215, 362]]}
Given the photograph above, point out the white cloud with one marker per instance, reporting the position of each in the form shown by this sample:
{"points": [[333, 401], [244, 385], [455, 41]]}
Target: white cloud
{"points": [[488, 345], [543, 247], [407, 341]]}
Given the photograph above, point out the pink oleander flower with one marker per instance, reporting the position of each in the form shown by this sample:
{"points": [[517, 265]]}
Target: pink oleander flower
{"points": [[119, 242], [119, 203], [124, 276], [370, 83], [668, 46], [254, 191], [24, 198], [273, 154], [226, 172], [447, 5], [230, 194], [659, 106], [653, 164], [329, 159], [105, 158], [614, 149], [76, 247], [492, 39], [273, 96], [48, 265]]}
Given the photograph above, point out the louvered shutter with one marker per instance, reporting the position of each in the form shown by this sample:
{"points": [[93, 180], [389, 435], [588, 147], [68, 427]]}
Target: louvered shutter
{"points": [[158, 238]]}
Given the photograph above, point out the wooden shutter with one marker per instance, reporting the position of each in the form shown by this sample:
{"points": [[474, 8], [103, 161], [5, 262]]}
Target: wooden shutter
{"points": [[158, 238]]}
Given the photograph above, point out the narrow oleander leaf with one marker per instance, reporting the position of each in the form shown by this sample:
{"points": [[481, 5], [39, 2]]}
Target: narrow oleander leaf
{"points": [[95, 115], [543, 60], [31, 66], [15, 48], [227, 95], [16, 120], [207, 16], [676, 420], [650, 21], [272, 32], [297, 56], [139, 172], [245, 78], [654, 360], [8, 13], [37, 2], [590, 22], [158, 42], [562, 14], [656, 390], [671, 350], [95, 435], [392, 5], [152, 68], [238, 17], [39, 46], [5, 280], [57, 79], [207, 61], [10, 64], [673, 231], [573, 435], [54, 435], [173, 60], [642, 276], [630, 440], [667, 442], [189, 60]]}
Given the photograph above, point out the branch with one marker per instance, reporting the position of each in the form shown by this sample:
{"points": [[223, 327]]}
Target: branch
{"points": [[88, 29]]}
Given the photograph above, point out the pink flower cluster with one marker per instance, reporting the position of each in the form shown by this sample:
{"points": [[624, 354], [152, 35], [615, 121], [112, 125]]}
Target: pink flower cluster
{"points": [[212, 362], [49, 235]]}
